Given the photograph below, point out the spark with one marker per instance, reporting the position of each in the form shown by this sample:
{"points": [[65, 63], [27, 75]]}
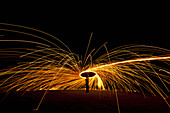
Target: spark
{"points": [[131, 61], [49, 67], [24, 41]]}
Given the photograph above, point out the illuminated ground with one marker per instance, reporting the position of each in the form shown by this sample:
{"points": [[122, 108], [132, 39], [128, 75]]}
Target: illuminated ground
{"points": [[81, 102]]}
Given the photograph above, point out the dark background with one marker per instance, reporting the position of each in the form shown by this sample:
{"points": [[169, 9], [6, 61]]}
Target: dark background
{"points": [[118, 25], [123, 27]]}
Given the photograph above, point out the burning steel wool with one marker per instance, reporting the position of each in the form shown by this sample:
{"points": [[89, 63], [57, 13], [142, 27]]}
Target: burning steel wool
{"points": [[133, 68]]}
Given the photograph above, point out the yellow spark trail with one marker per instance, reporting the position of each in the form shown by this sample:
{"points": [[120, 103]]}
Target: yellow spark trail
{"points": [[46, 66], [131, 61]]}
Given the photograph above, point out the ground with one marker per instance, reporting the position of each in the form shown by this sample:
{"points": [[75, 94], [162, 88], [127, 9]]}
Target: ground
{"points": [[81, 102]]}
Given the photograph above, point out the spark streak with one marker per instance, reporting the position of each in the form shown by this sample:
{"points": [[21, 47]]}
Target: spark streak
{"points": [[49, 67], [131, 61]]}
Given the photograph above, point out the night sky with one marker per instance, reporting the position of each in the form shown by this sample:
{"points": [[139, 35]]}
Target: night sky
{"points": [[123, 28]]}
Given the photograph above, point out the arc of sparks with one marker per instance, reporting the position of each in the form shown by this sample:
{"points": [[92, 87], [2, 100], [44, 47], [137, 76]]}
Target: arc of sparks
{"points": [[58, 69], [25, 41], [130, 61]]}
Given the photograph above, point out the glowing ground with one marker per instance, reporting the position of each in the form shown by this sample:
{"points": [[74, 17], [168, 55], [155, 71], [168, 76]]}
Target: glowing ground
{"points": [[81, 102]]}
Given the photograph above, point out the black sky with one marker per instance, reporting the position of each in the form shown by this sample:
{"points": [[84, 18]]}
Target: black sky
{"points": [[121, 29]]}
